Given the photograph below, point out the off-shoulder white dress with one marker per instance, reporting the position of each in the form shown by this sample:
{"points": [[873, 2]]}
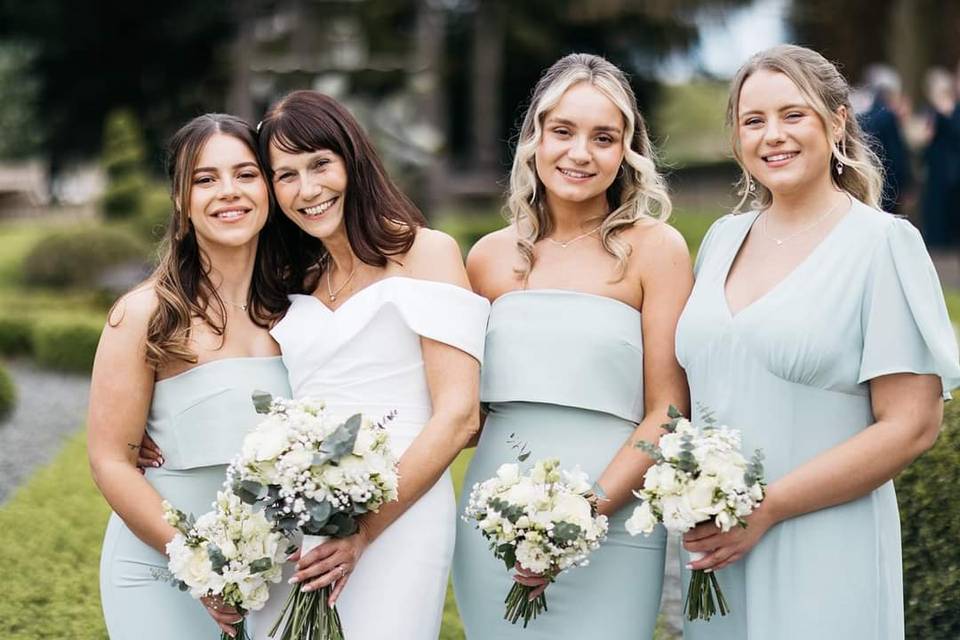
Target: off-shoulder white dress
{"points": [[366, 357]]}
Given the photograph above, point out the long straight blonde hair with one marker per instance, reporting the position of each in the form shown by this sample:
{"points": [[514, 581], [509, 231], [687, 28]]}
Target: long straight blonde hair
{"points": [[637, 192], [827, 91]]}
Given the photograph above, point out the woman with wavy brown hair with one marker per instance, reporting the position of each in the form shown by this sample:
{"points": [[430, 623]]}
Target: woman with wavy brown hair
{"points": [[178, 360], [381, 318]]}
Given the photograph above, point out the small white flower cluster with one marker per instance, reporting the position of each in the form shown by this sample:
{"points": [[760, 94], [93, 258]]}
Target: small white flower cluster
{"points": [[699, 475], [232, 552], [544, 519], [307, 467]]}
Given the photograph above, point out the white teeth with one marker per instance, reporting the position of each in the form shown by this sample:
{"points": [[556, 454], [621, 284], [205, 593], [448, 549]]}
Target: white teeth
{"points": [[320, 208], [780, 156], [231, 215], [574, 174]]}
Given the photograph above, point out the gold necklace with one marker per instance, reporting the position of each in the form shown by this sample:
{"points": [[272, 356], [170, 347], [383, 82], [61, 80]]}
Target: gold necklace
{"points": [[565, 244], [242, 307], [780, 241], [333, 294]]}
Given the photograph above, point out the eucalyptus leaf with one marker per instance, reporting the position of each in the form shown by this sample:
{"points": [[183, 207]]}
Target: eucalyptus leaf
{"points": [[342, 440], [261, 565], [262, 401], [566, 532], [217, 559]]}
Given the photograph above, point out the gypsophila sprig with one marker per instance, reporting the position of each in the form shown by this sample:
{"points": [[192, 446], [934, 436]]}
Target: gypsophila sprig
{"points": [[545, 521], [315, 474], [231, 553], [699, 474]]}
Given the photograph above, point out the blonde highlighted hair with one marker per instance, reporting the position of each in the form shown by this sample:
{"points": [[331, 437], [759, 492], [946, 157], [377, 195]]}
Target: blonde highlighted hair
{"points": [[638, 190], [827, 91]]}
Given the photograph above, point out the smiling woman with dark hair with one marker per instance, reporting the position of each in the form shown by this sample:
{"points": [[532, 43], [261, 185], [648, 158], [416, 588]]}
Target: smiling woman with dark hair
{"points": [[380, 318]]}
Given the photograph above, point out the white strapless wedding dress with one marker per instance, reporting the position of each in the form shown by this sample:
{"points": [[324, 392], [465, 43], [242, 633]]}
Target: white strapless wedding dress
{"points": [[365, 357]]}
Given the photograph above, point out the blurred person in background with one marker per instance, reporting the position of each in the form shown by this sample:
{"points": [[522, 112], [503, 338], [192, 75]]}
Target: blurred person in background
{"points": [[881, 122], [941, 160]]}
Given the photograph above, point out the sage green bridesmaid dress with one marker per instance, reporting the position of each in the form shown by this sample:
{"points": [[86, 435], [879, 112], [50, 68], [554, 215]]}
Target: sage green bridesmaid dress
{"points": [[198, 418], [791, 371], [563, 372]]}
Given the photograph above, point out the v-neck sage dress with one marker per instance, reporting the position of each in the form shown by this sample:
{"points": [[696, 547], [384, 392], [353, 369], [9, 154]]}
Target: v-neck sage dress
{"points": [[563, 373], [791, 370]]}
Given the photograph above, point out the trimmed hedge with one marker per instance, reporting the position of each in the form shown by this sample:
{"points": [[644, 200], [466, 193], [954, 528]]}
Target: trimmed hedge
{"points": [[80, 258], [66, 344], [15, 335], [8, 394], [467, 228], [930, 529]]}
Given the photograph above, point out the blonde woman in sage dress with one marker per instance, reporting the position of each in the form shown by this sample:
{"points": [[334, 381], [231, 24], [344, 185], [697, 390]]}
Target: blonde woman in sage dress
{"points": [[816, 326], [587, 285]]}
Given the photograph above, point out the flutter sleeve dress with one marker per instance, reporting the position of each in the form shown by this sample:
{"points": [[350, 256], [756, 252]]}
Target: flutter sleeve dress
{"points": [[791, 371]]}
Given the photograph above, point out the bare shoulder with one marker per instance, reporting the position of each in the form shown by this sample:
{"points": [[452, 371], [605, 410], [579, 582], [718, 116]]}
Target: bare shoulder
{"points": [[491, 262], [657, 242], [132, 311], [435, 255]]}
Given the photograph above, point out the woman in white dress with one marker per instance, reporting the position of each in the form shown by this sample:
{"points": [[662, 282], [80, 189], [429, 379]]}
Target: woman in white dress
{"points": [[382, 319]]}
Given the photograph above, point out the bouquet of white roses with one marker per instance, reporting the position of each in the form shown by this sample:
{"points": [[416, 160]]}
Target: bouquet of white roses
{"points": [[545, 521], [699, 474], [231, 553], [317, 475]]}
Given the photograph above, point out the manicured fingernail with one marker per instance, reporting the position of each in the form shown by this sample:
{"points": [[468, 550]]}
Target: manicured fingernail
{"points": [[155, 463], [689, 565], [306, 588], [293, 580], [708, 570]]}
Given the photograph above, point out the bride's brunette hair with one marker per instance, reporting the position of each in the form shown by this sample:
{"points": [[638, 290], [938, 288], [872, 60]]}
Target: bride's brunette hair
{"points": [[380, 220], [827, 91], [181, 279], [638, 191]]}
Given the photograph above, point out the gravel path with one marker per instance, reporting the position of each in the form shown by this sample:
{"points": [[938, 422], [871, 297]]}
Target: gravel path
{"points": [[51, 407]]}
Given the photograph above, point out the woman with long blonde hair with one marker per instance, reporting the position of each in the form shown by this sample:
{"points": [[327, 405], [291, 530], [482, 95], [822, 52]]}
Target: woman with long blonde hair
{"points": [[817, 327], [587, 283]]}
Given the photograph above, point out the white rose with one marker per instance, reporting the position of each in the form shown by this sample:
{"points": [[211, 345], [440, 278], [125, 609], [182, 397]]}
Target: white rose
{"points": [[577, 480], [677, 514], [670, 445], [701, 497], [525, 493], [572, 508], [642, 520], [509, 474], [266, 442], [298, 458], [532, 558]]}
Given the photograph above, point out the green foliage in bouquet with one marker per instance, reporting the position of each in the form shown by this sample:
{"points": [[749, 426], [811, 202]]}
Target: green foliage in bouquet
{"points": [[79, 258], [68, 345], [123, 161], [930, 529], [8, 394]]}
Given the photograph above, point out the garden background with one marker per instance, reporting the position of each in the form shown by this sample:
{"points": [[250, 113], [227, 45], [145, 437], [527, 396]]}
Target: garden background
{"points": [[91, 90]]}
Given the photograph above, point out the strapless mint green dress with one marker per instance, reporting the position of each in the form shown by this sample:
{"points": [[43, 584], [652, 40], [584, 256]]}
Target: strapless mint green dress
{"points": [[563, 372], [198, 419]]}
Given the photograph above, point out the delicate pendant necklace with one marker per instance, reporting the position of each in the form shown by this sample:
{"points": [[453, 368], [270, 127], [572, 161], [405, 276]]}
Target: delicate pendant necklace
{"points": [[242, 307], [566, 243], [330, 291], [780, 241]]}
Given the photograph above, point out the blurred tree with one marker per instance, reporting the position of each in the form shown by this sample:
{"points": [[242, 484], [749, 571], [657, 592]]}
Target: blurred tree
{"points": [[22, 133], [163, 59], [123, 162]]}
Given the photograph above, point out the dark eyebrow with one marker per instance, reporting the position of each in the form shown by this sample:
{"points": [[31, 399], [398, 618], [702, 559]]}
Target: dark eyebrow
{"points": [[568, 123], [235, 167], [312, 155]]}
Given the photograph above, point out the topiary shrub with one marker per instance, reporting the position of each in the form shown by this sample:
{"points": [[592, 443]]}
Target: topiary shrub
{"points": [[15, 336], [80, 258], [123, 160], [155, 212], [66, 345], [8, 394], [930, 529]]}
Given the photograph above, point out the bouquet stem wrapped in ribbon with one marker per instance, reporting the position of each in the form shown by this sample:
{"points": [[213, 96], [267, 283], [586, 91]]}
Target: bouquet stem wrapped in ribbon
{"points": [[544, 521], [315, 475], [699, 474]]}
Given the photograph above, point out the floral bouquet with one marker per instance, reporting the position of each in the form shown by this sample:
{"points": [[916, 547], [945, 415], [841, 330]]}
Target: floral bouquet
{"points": [[317, 475], [699, 474], [545, 520], [232, 553]]}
